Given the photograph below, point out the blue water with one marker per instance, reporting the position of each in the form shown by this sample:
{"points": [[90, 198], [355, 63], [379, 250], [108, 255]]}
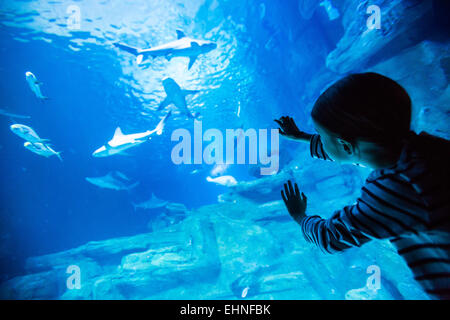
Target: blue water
{"points": [[268, 55]]}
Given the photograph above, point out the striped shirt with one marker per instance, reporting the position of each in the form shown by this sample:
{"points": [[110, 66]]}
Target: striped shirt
{"points": [[407, 204]]}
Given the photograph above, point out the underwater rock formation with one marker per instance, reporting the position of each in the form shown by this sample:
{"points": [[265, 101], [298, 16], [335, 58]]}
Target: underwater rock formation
{"points": [[344, 180], [123, 268], [426, 62], [401, 24], [192, 257], [222, 251], [307, 8], [172, 214]]}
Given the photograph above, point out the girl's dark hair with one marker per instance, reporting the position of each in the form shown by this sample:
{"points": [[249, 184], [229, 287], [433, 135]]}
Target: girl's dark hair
{"points": [[365, 106]]}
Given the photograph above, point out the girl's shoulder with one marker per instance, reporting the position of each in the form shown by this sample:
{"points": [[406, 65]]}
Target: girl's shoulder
{"points": [[422, 155], [421, 175]]}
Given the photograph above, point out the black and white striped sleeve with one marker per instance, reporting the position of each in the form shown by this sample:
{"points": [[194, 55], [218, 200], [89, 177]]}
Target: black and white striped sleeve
{"points": [[386, 209]]}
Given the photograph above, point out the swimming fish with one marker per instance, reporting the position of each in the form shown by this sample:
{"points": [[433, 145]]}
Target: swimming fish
{"points": [[177, 96], [34, 85], [114, 180], [332, 12], [182, 47], [227, 181], [219, 169], [42, 149], [121, 142], [152, 203], [27, 133]]}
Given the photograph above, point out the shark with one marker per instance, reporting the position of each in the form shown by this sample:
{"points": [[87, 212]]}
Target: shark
{"points": [[121, 142], [152, 203], [114, 180], [34, 85], [182, 47], [177, 96]]}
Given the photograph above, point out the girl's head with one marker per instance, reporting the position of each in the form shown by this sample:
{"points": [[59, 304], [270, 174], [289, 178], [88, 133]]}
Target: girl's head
{"points": [[363, 118]]}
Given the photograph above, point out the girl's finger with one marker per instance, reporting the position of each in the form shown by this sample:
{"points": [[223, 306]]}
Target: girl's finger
{"points": [[291, 189], [297, 192], [293, 124], [286, 190], [284, 197]]}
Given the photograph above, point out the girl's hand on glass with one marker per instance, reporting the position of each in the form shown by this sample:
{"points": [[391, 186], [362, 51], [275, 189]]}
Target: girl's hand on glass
{"points": [[289, 129], [294, 201]]}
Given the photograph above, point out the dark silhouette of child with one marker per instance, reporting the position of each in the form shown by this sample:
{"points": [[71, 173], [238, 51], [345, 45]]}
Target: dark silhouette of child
{"points": [[365, 119]]}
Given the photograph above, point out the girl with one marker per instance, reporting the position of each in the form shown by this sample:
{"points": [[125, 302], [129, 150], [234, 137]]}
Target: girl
{"points": [[364, 119]]}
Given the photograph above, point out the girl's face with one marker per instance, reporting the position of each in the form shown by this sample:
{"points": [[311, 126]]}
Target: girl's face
{"points": [[337, 149]]}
